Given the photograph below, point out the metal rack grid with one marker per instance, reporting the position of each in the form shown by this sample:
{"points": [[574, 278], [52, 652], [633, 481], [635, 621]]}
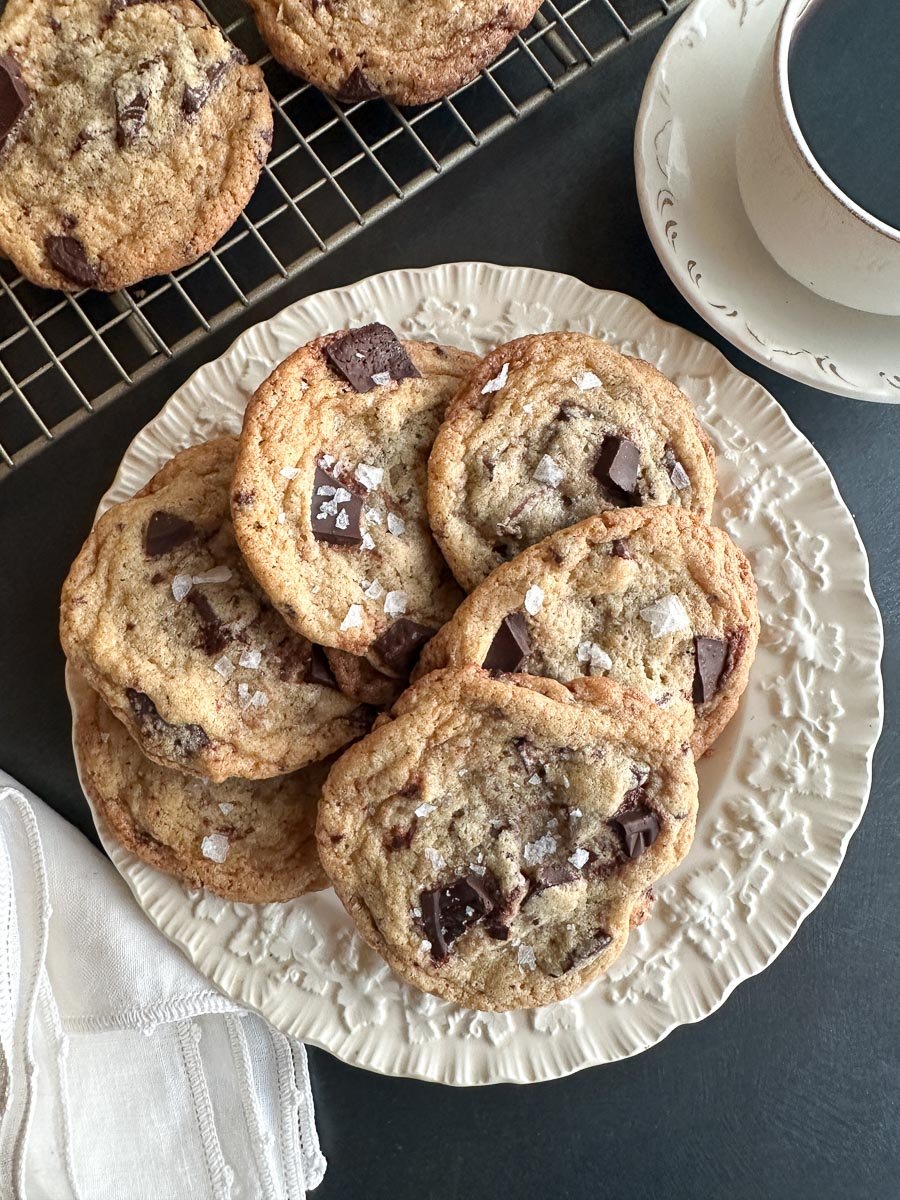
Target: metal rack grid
{"points": [[333, 170]]}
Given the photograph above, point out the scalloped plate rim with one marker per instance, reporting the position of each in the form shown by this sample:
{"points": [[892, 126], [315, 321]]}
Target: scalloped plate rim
{"points": [[528, 1072]]}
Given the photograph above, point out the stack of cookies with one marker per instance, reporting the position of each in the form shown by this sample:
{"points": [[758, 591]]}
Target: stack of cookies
{"points": [[525, 537]]}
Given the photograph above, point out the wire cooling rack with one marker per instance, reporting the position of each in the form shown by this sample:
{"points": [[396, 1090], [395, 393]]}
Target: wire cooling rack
{"points": [[333, 170]]}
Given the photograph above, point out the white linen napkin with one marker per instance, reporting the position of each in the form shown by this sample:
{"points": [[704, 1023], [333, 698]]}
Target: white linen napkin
{"points": [[123, 1073]]}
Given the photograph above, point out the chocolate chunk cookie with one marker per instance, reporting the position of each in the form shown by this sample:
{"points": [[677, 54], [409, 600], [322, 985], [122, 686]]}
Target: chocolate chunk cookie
{"points": [[132, 134], [411, 53], [651, 597], [329, 493], [549, 430], [495, 842], [160, 615], [245, 840]]}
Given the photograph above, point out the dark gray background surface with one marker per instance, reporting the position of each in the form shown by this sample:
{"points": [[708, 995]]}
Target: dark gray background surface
{"points": [[792, 1089]]}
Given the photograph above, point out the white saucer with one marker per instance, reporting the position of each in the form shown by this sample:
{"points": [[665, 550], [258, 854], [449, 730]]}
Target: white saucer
{"points": [[688, 190]]}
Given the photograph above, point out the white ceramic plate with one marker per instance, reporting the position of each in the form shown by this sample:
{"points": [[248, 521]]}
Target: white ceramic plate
{"points": [[688, 189], [781, 795]]}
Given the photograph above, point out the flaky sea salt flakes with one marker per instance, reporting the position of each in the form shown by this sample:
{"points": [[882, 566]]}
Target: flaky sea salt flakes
{"points": [[373, 516], [250, 659], [373, 590], [367, 542], [181, 585], [416, 912], [525, 957], [225, 808], [380, 378], [666, 615], [587, 381], [282, 517], [528, 408], [353, 619], [224, 666], [243, 696], [325, 490], [535, 778], [424, 809], [327, 461], [215, 847], [499, 381], [214, 575], [594, 656], [574, 814], [536, 852], [104, 738], [679, 477], [548, 472], [289, 472], [579, 858], [342, 520], [370, 477], [534, 598], [436, 859], [258, 700], [477, 868], [395, 603], [425, 946], [341, 496], [396, 525]]}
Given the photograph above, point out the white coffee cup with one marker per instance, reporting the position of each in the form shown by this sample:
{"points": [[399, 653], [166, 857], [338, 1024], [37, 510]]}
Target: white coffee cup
{"points": [[812, 229]]}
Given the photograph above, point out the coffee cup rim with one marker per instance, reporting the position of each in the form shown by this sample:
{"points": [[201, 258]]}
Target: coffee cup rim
{"points": [[787, 26]]}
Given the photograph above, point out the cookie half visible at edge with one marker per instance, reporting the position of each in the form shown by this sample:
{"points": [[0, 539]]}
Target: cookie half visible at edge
{"points": [[549, 430], [162, 617], [131, 137], [329, 492], [251, 841], [495, 842], [653, 598], [408, 53]]}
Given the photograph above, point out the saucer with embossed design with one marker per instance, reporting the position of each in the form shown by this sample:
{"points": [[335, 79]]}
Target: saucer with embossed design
{"points": [[688, 189]]}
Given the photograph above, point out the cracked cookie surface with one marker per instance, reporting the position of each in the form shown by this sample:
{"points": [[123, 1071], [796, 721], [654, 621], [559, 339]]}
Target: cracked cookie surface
{"points": [[162, 617], [653, 598], [408, 51], [329, 494], [132, 134], [551, 429], [247, 840], [495, 841]]}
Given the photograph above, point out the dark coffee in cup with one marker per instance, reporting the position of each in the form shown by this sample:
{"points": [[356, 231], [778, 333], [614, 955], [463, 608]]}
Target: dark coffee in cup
{"points": [[844, 75]]}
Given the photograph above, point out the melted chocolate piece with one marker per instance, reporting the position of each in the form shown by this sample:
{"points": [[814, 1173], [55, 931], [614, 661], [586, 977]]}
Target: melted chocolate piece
{"points": [[511, 646], [616, 469], [318, 670], [188, 739], [372, 350], [447, 912], [639, 827], [212, 637], [164, 532], [14, 95], [131, 116], [620, 548], [356, 87], [400, 644], [69, 257], [333, 521], [710, 657]]}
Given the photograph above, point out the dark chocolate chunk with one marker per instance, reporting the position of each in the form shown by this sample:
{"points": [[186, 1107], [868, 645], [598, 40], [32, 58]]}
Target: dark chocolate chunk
{"points": [[357, 86], [318, 670], [616, 468], [188, 739], [511, 645], [335, 521], [400, 839], [14, 95], [372, 350], [69, 257], [676, 471], [585, 951], [212, 637], [639, 827], [710, 657], [164, 532], [447, 912], [399, 645], [242, 497], [527, 752], [620, 548], [193, 98], [131, 116], [554, 875]]}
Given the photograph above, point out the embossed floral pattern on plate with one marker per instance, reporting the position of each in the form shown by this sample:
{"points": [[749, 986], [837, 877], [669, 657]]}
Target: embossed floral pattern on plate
{"points": [[781, 794]]}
